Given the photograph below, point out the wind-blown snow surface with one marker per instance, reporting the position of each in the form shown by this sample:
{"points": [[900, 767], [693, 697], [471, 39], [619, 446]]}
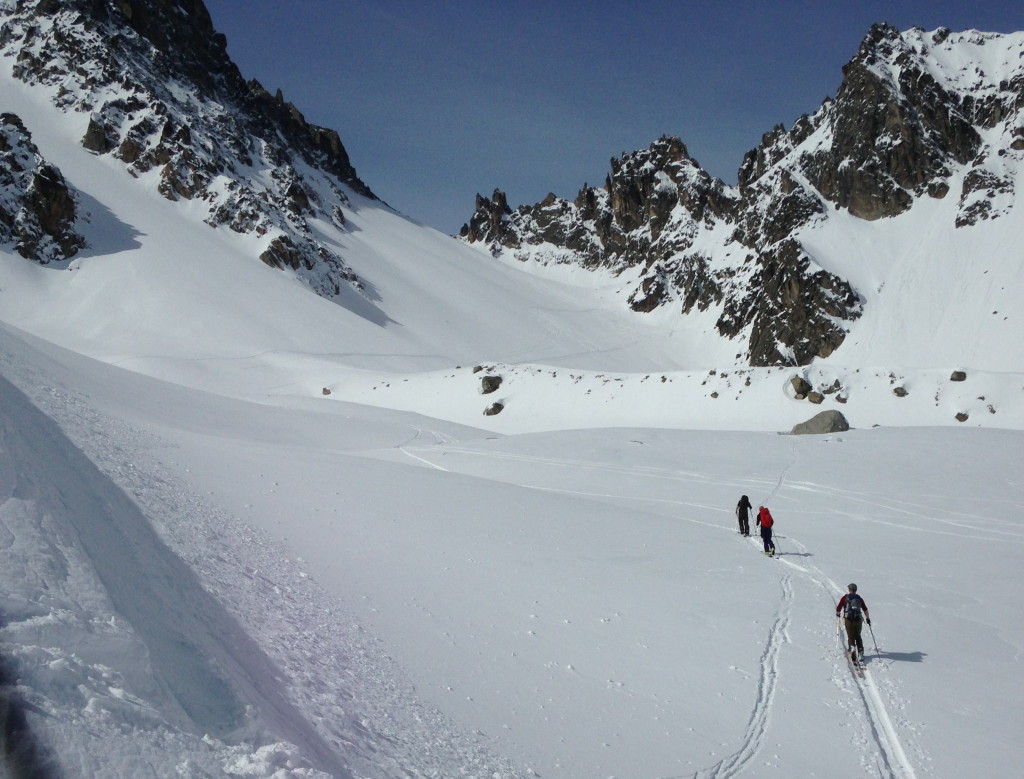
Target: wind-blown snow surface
{"points": [[208, 567]]}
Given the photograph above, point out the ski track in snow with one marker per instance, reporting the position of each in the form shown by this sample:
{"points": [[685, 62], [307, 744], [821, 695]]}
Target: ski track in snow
{"points": [[888, 758], [983, 526], [757, 725], [439, 438]]}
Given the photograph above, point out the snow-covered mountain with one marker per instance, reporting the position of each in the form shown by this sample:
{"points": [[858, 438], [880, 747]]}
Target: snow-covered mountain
{"points": [[925, 137], [162, 97], [385, 505], [852, 228]]}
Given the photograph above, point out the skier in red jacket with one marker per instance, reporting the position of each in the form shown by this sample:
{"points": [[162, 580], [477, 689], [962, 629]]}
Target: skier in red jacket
{"points": [[765, 522], [855, 613]]}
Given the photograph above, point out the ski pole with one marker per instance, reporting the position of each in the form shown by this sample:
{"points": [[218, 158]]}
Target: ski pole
{"points": [[877, 650]]}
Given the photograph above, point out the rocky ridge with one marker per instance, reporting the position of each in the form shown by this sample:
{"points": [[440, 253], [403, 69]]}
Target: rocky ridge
{"points": [[165, 99], [917, 114]]}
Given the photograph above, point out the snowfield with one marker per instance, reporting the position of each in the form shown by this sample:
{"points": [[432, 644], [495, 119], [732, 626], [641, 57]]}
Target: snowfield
{"points": [[249, 532], [210, 586]]}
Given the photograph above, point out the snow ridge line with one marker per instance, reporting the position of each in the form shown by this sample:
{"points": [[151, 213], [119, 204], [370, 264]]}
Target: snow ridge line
{"points": [[757, 725]]}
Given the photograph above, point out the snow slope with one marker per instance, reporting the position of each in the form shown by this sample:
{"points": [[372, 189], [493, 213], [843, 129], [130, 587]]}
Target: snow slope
{"points": [[209, 567], [566, 603]]}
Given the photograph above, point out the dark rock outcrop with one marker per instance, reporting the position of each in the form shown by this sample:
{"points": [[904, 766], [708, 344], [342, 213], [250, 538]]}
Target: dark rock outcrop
{"points": [[646, 220], [37, 207], [894, 128]]}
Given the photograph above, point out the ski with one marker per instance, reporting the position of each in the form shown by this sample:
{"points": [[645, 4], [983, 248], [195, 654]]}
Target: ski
{"points": [[856, 664]]}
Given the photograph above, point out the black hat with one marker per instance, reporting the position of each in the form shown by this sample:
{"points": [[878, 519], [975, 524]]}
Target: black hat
{"points": [[852, 587]]}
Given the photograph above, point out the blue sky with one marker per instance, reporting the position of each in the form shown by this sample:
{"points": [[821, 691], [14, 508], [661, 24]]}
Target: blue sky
{"points": [[436, 101]]}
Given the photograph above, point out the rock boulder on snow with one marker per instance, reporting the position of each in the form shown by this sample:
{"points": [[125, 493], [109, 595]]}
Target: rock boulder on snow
{"points": [[831, 421], [489, 384], [800, 387]]}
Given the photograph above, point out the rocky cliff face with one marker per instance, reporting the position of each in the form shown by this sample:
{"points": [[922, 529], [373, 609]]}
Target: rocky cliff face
{"points": [[917, 115], [37, 209], [164, 98]]}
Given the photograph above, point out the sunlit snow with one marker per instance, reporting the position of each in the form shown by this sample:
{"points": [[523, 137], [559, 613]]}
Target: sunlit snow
{"points": [[247, 531]]}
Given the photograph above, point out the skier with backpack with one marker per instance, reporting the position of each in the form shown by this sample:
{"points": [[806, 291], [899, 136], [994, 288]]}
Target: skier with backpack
{"points": [[742, 514], [855, 612], [765, 522]]}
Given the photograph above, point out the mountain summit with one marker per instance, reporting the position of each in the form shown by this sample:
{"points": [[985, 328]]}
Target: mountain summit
{"points": [[918, 116]]}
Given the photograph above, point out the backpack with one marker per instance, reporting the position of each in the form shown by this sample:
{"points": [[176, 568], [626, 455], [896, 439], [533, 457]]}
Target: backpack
{"points": [[853, 606], [765, 518]]}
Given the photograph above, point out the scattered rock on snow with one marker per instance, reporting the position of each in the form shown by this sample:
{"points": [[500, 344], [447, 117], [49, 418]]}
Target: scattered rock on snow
{"points": [[826, 422], [800, 387]]}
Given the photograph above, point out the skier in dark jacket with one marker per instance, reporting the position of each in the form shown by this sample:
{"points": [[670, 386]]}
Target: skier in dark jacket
{"points": [[855, 612], [742, 514], [765, 521]]}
